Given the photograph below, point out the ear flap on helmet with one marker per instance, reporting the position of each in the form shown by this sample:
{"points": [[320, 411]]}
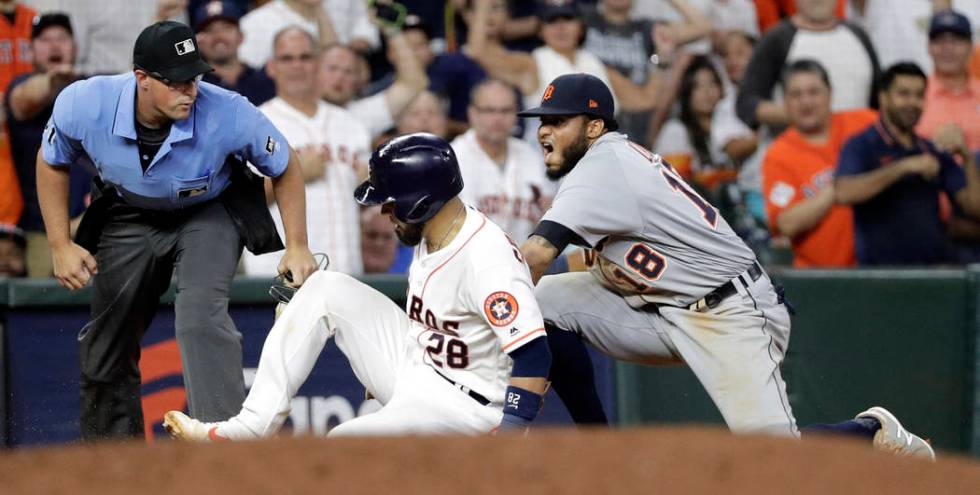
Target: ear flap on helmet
{"points": [[420, 210]]}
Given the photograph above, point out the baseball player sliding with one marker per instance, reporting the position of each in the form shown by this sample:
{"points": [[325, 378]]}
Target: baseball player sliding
{"points": [[466, 356], [670, 281]]}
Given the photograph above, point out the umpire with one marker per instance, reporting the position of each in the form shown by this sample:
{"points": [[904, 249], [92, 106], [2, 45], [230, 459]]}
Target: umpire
{"points": [[173, 196]]}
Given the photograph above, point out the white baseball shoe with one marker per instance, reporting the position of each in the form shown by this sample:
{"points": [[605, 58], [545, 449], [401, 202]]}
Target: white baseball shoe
{"points": [[892, 437], [183, 427]]}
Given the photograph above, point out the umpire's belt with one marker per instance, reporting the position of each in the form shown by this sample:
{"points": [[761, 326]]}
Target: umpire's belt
{"points": [[468, 391], [718, 295]]}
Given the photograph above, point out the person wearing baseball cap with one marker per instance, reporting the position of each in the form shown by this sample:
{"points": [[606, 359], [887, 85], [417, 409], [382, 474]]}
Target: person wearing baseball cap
{"points": [[663, 263], [172, 197], [219, 36], [575, 111], [167, 51], [30, 102], [952, 96]]}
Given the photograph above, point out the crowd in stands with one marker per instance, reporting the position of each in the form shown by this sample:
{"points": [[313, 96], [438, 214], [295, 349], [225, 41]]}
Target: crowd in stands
{"points": [[846, 132]]}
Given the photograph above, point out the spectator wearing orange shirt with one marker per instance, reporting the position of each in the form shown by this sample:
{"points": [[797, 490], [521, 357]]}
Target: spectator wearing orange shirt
{"points": [[15, 41], [15, 59], [798, 170], [975, 62], [770, 12], [952, 96]]}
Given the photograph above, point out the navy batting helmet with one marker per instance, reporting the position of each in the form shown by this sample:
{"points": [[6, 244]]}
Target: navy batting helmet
{"points": [[418, 172]]}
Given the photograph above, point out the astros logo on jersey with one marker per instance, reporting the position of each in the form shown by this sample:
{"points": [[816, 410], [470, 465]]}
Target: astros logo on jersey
{"points": [[501, 308], [547, 92]]}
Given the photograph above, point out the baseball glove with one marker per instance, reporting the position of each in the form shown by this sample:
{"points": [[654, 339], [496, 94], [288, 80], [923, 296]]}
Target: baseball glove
{"points": [[283, 290]]}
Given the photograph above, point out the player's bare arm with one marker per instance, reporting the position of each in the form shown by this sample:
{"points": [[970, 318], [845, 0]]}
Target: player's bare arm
{"points": [[291, 197], [73, 264], [580, 260], [539, 253]]}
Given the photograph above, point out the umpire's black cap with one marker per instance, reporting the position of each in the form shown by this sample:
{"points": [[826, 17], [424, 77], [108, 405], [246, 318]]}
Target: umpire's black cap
{"points": [[169, 48], [575, 94]]}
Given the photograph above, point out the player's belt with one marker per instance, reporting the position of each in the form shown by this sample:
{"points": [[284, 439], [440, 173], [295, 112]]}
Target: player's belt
{"points": [[718, 295], [468, 391]]}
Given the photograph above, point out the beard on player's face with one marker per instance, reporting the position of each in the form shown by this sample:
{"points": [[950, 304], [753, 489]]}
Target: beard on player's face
{"points": [[410, 234], [570, 156]]}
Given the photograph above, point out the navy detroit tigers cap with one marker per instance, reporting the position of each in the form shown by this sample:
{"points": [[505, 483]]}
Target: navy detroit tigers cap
{"points": [[575, 94]]}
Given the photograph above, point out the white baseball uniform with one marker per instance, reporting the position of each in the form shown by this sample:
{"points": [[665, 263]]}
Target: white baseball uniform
{"points": [[512, 194], [661, 249], [441, 368], [333, 224]]}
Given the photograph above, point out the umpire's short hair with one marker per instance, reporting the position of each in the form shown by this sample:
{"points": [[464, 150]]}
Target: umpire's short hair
{"points": [[900, 69], [806, 65]]}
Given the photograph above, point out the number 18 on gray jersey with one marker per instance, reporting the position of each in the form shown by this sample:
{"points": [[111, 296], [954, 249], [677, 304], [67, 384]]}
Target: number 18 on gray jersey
{"points": [[655, 236]]}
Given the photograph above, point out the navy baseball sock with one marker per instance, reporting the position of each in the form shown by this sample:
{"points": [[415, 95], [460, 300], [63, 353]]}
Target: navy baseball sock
{"points": [[571, 377], [860, 427]]}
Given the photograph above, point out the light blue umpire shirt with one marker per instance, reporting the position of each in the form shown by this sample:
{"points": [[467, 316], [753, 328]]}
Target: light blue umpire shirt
{"points": [[93, 124]]}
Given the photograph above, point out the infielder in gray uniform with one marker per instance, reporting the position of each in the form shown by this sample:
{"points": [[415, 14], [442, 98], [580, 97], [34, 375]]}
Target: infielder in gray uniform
{"points": [[668, 281]]}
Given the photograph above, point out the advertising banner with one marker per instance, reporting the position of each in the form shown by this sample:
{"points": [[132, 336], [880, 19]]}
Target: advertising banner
{"points": [[41, 363]]}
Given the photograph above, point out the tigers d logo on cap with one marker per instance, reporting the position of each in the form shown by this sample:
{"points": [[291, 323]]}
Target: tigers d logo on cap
{"points": [[575, 94]]}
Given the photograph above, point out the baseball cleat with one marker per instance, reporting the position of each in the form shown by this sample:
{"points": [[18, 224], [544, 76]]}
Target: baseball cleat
{"points": [[892, 437], [183, 427]]}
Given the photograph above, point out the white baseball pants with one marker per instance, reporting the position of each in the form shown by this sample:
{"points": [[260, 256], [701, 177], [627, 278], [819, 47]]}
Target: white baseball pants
{"points": [[376, 336]]}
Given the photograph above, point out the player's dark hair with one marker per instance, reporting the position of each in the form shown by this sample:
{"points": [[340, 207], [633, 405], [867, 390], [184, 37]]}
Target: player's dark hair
{"points": [[698, 135], [806, 65], [900, 69], [611, 124]]}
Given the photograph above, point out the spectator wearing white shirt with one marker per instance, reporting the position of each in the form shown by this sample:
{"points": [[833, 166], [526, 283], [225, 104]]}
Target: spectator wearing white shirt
{"points": [[899, 31], [332, 148], [340, 79], [724, 16], [426, 113], [502, 176], [261, 25], [730, 137], [815, 32]]}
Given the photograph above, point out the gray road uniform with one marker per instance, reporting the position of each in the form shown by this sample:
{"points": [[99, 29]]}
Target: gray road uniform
{"points": [[670, 281]]}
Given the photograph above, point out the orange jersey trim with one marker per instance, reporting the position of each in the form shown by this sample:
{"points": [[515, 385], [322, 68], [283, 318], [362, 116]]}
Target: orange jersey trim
{"points": [[477, 231]]}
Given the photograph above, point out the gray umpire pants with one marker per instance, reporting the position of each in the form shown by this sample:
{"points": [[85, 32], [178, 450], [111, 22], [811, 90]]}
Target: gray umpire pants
{"points": [[139, 251]]}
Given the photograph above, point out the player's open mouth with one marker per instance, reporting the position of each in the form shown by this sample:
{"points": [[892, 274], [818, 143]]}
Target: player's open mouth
{"points": [[548, 149]]}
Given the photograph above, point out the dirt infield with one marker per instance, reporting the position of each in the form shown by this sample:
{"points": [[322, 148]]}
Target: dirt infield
{"points": [[684, 460]]}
